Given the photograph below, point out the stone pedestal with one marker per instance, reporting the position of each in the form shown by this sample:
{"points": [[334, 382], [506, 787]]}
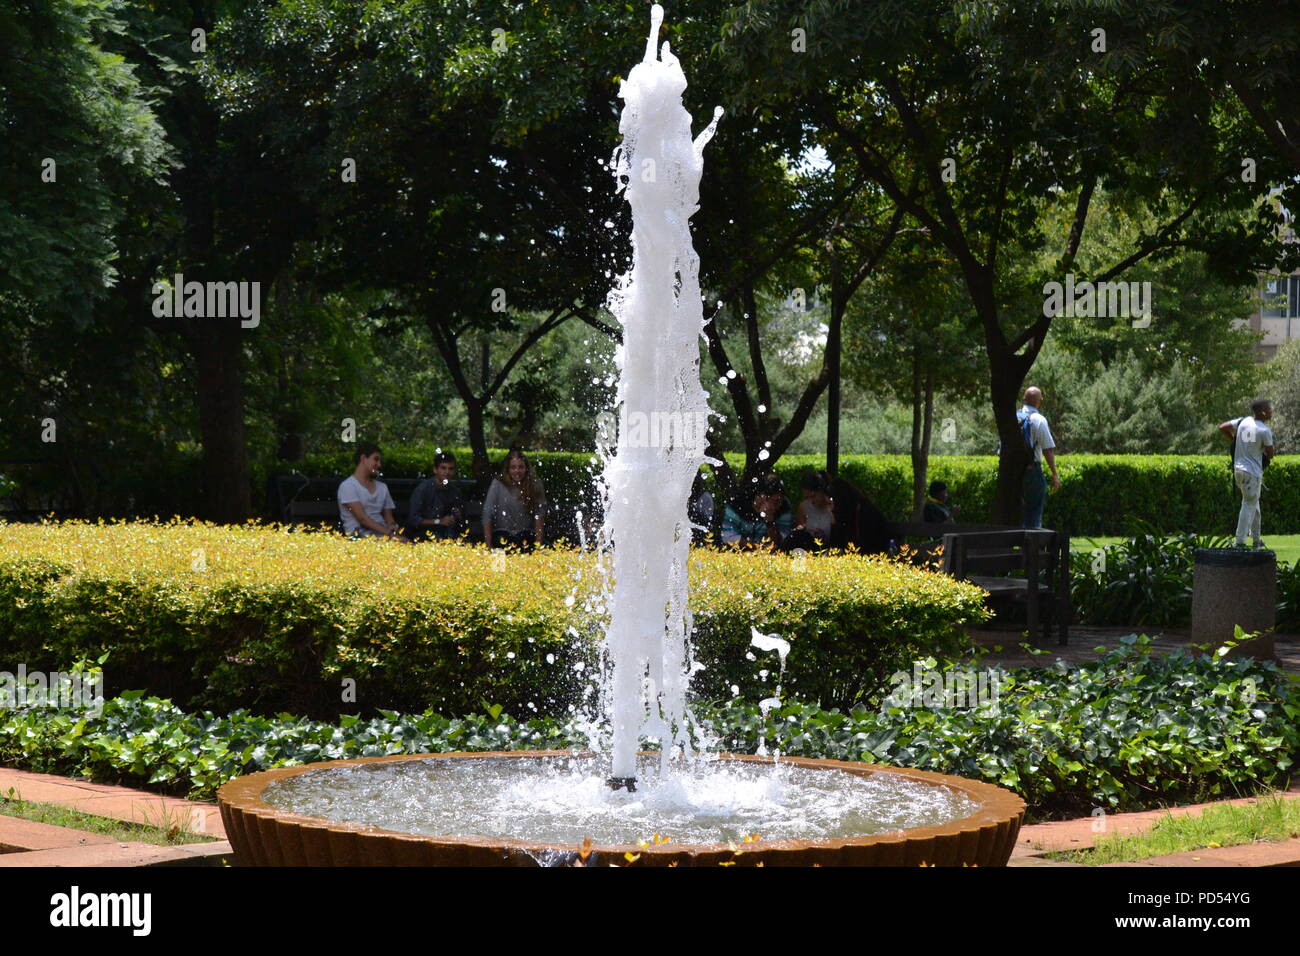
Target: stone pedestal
{"points": [[1235, 587]]}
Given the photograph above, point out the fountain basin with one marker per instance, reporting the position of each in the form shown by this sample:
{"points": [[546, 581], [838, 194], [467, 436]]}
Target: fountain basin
{"points": [[264, 835]]}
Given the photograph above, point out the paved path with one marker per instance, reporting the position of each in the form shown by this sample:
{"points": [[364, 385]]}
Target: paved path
{"points": [[1039, 838], [26, 843]]}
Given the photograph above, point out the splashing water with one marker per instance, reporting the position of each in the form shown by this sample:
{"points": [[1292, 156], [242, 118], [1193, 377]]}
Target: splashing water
{"points": [[769, 642], [662, 411]]}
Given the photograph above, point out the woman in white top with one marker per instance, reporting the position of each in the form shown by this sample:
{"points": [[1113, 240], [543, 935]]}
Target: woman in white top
{"points": [[515, 506]]}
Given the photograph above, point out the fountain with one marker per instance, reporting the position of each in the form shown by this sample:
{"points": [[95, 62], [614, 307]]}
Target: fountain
{"points": [[665, 808]]}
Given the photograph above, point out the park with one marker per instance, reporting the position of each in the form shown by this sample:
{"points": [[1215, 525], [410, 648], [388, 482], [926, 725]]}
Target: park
{"points": [[566, 434]]}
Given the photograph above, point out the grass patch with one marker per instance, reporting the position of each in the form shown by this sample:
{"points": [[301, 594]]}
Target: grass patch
{"points": [[1287, 546], [168, 829], [1270, 820]]}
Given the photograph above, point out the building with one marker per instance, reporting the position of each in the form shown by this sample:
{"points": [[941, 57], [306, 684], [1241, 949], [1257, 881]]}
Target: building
{"points": [[1277, 314]]}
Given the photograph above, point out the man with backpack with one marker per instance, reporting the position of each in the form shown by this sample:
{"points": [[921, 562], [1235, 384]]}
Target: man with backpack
{"points": [[1252, 450], [1038, 439]]}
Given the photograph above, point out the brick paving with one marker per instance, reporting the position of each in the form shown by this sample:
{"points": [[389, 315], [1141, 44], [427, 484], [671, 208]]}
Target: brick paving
{"points": [[25, 843], [1038, 838]]}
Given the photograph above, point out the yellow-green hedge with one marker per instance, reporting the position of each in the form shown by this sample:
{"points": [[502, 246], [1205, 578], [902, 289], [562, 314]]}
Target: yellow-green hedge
{"points": [[272, 620]]}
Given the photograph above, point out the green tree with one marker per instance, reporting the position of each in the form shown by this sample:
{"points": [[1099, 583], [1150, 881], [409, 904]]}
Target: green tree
{"points": [[1000, 116]]}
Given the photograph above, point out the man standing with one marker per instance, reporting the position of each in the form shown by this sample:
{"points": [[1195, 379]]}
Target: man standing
{"points": [[1252, 450], [1038, 439]]}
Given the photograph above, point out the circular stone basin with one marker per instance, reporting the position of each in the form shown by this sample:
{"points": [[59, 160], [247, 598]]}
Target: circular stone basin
{"points": [[536, 808]]}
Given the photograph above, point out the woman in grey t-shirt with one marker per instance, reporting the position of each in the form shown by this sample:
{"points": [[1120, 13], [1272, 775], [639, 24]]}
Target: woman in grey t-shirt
{"points": [[515, 506]]}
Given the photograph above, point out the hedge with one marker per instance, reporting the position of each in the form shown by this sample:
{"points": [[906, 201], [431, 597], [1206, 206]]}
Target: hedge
{"points": [[270, 619], [1100, 494], [1131, 731]]}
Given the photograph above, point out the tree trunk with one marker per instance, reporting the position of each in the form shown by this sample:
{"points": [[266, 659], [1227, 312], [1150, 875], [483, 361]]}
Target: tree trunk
{"points": [[477, 438], [927, 431], [227, 497], [839, 303], [918, 453], [1005, 378]]}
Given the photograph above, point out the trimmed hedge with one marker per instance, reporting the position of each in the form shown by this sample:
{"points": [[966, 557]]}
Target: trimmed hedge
{"points": [[1100, 494], [270, 619], [1128, 732]]}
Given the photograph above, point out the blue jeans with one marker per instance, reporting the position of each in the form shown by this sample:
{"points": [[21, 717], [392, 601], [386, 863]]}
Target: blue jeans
{"points": [[1035, 491]]}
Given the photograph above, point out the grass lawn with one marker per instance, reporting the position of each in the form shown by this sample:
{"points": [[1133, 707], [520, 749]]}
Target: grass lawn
{"points": [[1272, 819], [1287, 546], [165, 833]]}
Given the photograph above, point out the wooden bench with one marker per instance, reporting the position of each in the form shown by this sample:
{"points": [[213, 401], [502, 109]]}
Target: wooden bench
{"points": [[298, 499], [985, 558]]}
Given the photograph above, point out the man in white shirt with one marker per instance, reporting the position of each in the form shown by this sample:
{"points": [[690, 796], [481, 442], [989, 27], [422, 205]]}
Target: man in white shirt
{"points": [[1251, 453], [1038, 440], [365, 506]]}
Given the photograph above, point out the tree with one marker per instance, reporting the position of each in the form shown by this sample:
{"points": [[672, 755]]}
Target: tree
{"points": [[980, 121], [912, 335], [81, 150]]}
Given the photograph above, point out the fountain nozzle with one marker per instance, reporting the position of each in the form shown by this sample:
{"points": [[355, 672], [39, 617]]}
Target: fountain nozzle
{"points": [[622, 783]]}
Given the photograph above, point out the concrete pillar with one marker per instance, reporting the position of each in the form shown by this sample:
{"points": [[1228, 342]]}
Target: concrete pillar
{"points": [[1235, 587]]}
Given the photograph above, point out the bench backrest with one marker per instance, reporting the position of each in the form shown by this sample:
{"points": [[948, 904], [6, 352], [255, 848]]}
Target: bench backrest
{"points": [[995, 553], [296, 499]]}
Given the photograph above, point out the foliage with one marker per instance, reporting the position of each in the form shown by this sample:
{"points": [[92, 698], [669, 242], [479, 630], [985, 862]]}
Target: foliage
{"points": [[268, 619], [1288, 598], [1283, 387], [1128, 408], [1144, 580], [1127, 732], [1170, 493]]}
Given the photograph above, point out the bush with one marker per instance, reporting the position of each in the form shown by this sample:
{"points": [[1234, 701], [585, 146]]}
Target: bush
{"points": [[1100, 494], [1147, 580], [263, 618], [1128, 732]]}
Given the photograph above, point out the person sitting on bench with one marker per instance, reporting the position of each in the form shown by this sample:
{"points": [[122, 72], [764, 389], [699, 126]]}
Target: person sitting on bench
{"points": [[436, 508], [365, 506], [514, 511], [937, 508], [815, 516], [758, 517]]}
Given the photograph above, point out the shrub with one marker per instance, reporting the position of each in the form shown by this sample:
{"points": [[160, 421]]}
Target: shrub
{"points": [[1147, 580], [1288, 598], [1127, 732], [1169, 493], [268, 619], [1144, 580]]}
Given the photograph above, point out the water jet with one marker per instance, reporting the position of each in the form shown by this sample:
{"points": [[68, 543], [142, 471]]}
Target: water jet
{"points": [[556, 807]]}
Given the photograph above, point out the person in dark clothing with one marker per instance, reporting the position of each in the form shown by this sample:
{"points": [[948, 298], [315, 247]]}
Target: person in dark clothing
{"points": [[699, 510], [758, 516], [858, 522], [815, 517], [436, 508], [937, 510]]}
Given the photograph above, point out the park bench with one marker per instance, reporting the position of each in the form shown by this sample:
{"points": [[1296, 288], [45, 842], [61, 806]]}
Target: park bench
{"points": [[987, 558], [298, 499]]}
